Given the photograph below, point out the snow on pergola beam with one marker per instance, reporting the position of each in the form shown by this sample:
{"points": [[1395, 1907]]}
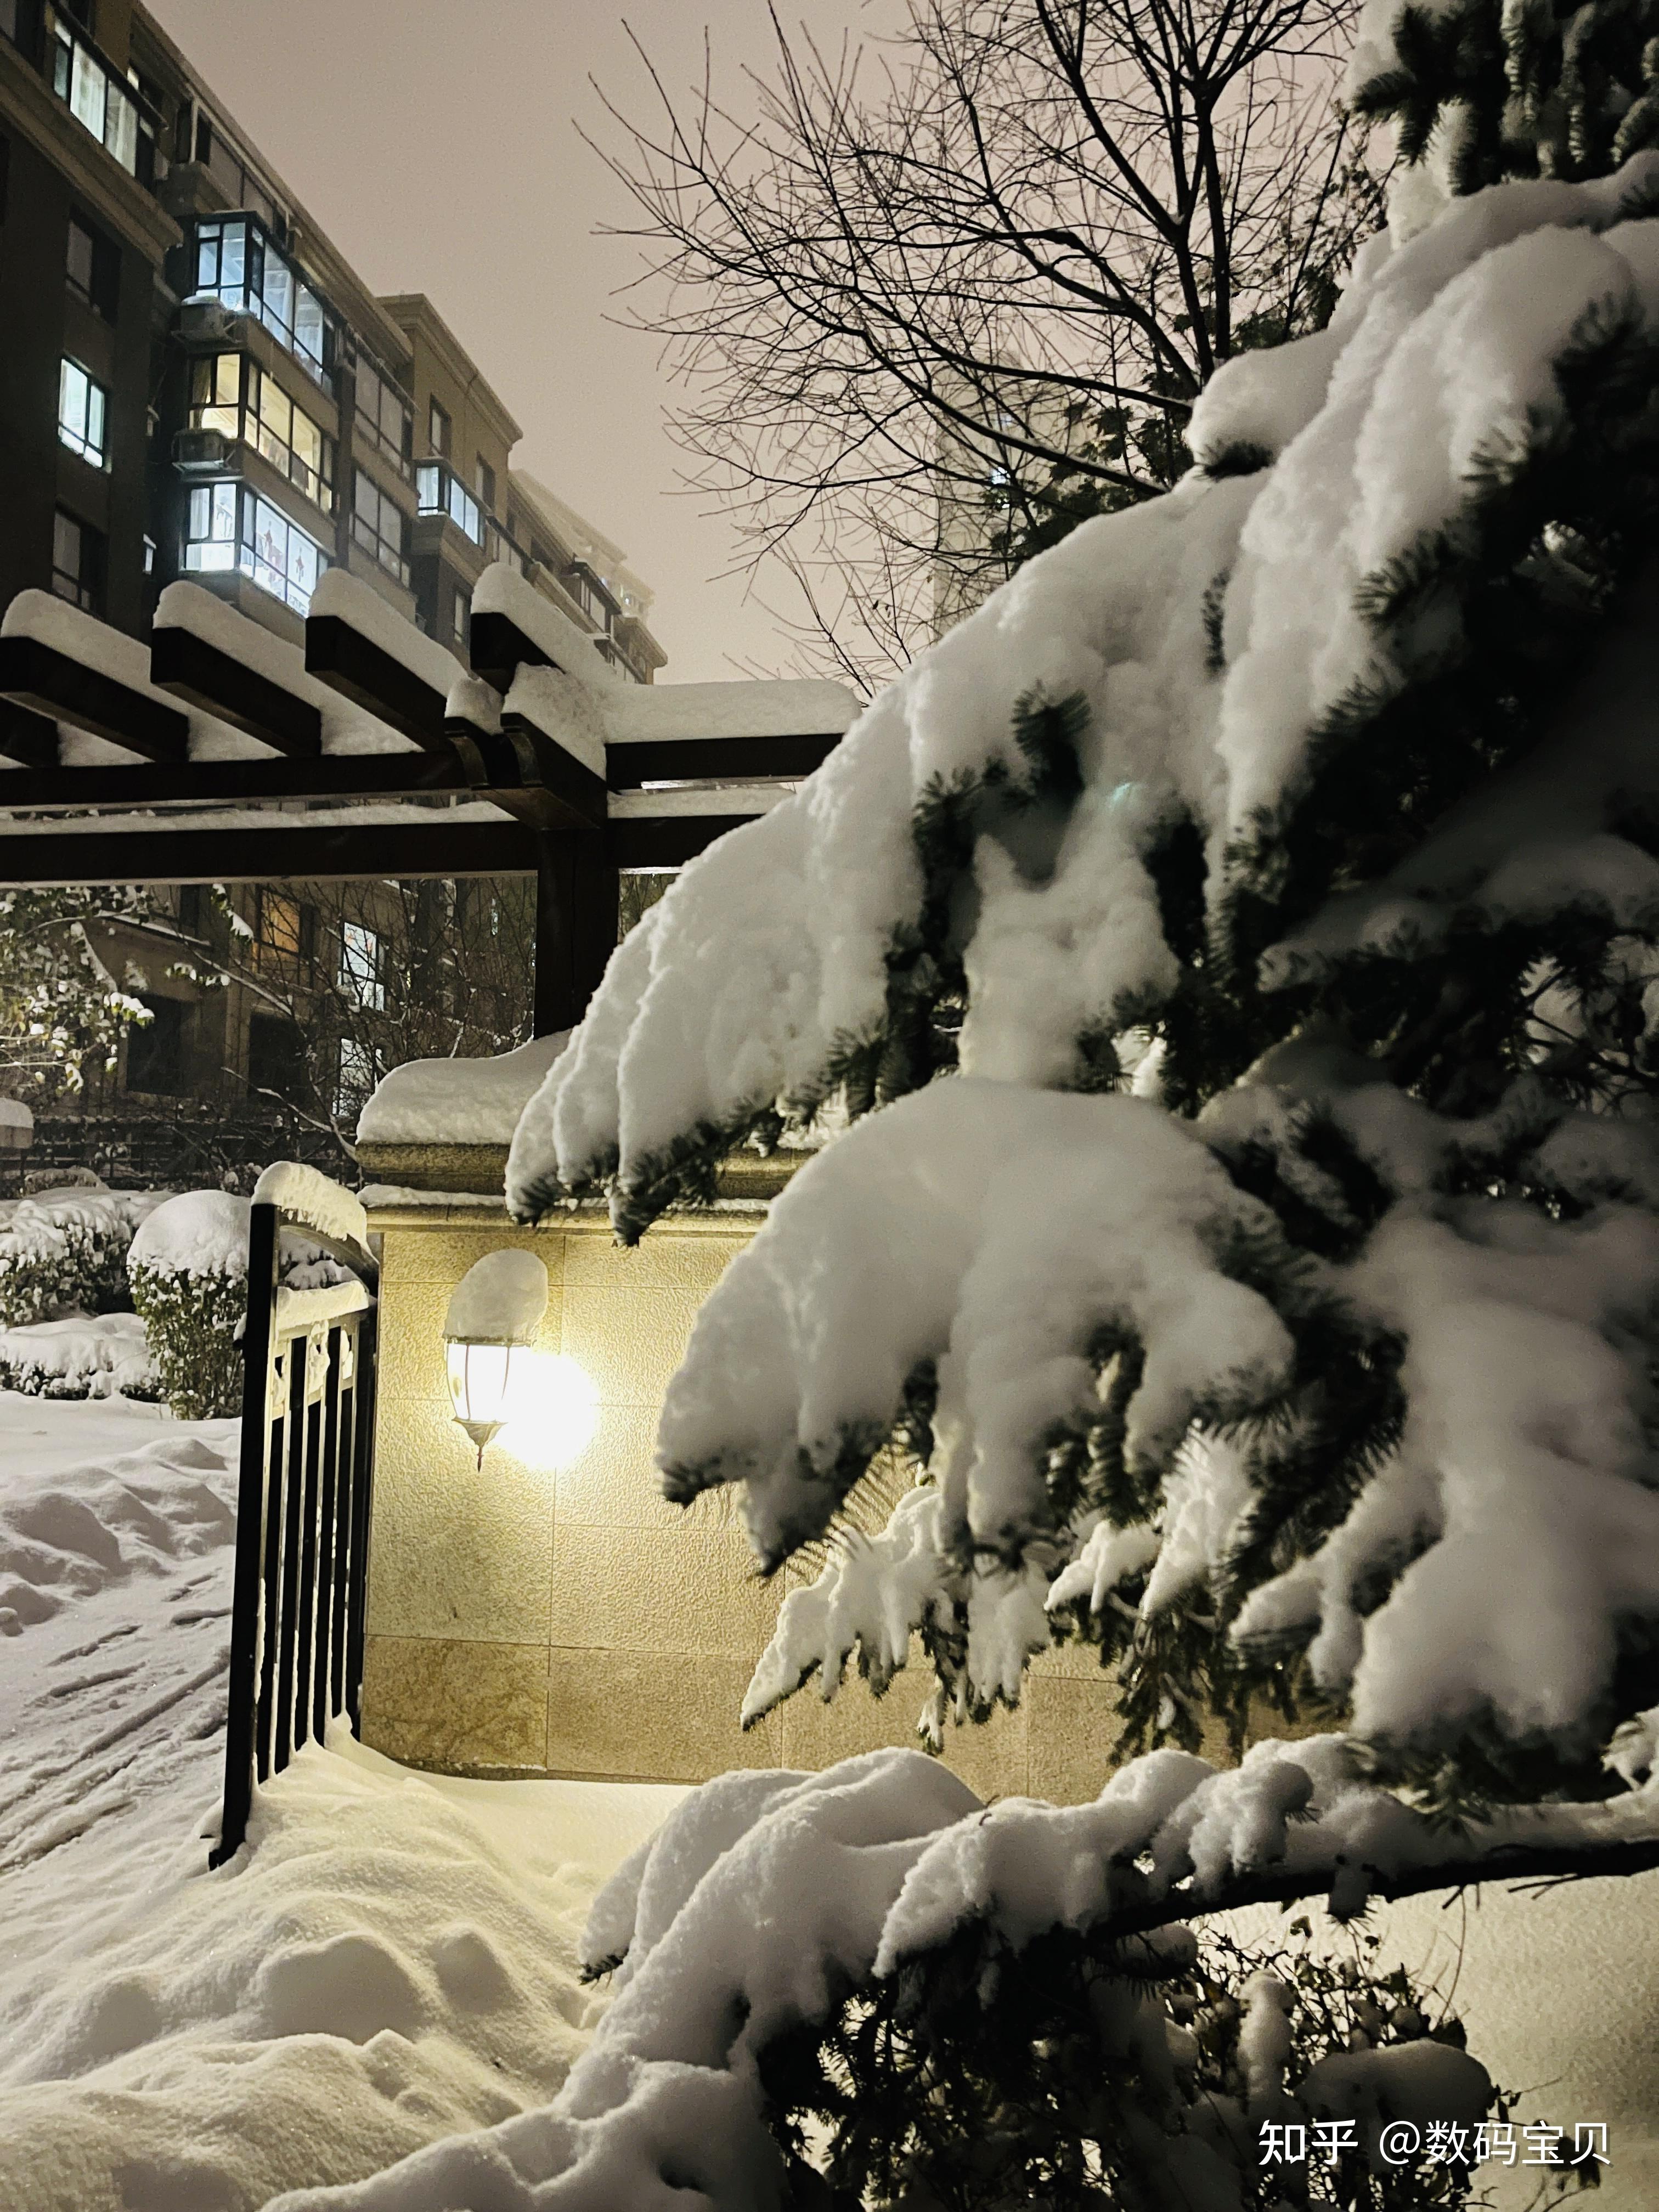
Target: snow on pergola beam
{"points": [[384, 756]]}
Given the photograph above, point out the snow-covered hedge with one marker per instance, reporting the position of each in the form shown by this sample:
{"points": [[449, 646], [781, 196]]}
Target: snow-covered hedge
{"points": [[66, 1252], [83, 1356], [188, 1272]]}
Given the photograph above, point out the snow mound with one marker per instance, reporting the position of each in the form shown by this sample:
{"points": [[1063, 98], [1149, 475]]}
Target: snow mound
{"points": [[457, 1102], [391, 1960]]}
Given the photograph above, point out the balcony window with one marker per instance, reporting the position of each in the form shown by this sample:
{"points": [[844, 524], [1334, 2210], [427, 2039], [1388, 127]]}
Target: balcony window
{"points": [[595, 602], [78, 563], [361, 978], [484, 478], [230, 528], [381, 526], [437, 430], [100, 103], [384, 420], [267, 420], [237, 264], [92, 268], [215, 394], [82, 413], [438, 490]]}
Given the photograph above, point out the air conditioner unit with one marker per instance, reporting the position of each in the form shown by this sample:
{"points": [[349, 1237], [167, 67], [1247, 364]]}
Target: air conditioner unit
{"points": [[201, 453], [209, 321]]}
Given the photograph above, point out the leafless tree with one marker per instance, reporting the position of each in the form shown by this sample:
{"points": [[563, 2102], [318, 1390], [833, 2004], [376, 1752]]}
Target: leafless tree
{"points": [[936, 297]]}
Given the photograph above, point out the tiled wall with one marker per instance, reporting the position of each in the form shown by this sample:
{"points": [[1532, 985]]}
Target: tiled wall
{"points": [[522, 1620]]}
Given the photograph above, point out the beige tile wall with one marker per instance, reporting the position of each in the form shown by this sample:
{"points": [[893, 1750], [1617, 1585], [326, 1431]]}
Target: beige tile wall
{"points": [[523, 1619]]}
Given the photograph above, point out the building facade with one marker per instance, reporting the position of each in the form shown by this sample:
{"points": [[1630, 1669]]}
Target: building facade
{"points": [[195, 384]]}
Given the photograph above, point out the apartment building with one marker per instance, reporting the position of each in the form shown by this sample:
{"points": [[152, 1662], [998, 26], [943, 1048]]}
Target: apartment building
{"points": [[195, 383]]}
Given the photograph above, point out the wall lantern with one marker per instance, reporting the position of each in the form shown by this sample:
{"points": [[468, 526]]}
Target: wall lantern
{"points": [[492, 1325]]}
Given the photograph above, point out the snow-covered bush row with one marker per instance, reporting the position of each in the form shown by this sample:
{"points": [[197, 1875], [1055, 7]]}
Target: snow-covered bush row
{"points": [[83, 1356], [188, 1272], [1316, 802], [66, 1251]]}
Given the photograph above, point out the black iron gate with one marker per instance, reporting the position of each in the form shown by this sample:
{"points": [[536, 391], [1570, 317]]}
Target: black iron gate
{"points": [[302, 1515]]}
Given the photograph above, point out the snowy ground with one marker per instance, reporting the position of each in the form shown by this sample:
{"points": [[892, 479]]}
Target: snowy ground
{"points": [[393, 1961]]}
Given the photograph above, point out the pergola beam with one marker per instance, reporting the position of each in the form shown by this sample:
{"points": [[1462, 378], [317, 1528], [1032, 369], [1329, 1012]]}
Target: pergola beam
{"points": [[37, 676], [182, 663], [30, 739], [635, 762], [371, 678], [309, 854]]}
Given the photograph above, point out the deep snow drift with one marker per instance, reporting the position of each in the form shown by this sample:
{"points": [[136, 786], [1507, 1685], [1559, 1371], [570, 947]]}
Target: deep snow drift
{"points": [[391, 1960]]}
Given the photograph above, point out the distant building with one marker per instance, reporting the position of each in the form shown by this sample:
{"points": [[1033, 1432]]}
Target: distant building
{"points": [[195, 383]]}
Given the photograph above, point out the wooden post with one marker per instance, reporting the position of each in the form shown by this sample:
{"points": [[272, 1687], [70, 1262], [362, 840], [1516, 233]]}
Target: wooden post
{"points": [[576, 896]]}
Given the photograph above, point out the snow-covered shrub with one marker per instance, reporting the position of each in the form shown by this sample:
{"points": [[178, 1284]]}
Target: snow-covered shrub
{"points": [[66, 1251], [101, 1355], [188, 1272]]}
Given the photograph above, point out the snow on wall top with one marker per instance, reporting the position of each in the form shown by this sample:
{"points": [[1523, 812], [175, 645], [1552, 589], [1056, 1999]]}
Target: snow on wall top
{"points": [[457, 1102]]}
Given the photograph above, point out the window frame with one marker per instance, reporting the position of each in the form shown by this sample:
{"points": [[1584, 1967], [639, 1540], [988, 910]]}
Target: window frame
{"points": [[360, 973], [261, 276], [87, 590], [370, 427], [83, 429], [368, 518], [235, 512]]}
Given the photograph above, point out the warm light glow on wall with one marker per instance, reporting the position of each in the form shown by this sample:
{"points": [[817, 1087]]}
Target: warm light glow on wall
{"points": [[551, 1409]]}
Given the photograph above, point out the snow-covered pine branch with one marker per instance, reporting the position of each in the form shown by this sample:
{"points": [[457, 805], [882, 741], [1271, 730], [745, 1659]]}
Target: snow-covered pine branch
{"points": [[1317, 803]]}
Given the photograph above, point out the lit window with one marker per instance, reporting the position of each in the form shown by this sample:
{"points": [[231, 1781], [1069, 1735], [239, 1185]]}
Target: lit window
{"points": [[285, 561], [438, 491], [237, 264], [215, 394], [462, 631], [437, 425], [82, 413], [360, 978], [380, 526], [97, 100], [273, 423], [230, 527], [77, 561]]}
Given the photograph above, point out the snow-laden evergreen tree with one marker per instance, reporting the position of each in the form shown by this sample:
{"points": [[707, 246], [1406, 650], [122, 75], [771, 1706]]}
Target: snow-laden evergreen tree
{"points": [[1246, 924], [1225, 971]]}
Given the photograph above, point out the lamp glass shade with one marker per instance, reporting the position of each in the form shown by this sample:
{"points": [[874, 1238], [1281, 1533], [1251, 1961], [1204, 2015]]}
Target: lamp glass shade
{"points": [[480, 1377]]}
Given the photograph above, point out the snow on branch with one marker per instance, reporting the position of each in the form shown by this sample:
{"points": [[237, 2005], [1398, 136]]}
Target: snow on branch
{"points": [[767, 1897]]}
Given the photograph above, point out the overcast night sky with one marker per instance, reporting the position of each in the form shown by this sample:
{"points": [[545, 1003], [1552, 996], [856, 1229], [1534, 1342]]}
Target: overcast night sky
{"points": [[435, 144]]}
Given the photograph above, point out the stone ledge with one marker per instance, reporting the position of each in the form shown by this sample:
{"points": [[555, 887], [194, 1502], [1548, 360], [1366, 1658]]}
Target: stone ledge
{"points": [[481, 1170]]}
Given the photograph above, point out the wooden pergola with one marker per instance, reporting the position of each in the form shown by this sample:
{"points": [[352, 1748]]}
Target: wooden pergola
{"points": [[221, 754]]}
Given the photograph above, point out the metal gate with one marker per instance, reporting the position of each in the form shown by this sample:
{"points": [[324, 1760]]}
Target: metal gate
{"points": [[303, 1514]]}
